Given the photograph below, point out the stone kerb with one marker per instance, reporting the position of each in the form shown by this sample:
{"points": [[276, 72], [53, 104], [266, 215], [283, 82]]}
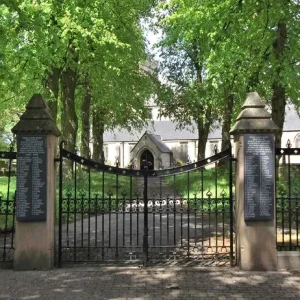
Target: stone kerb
{"points": [[254, 135], [36, 134]]}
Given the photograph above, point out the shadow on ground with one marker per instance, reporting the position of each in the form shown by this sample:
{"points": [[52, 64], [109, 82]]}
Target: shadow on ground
{"points": [[151, 283]]}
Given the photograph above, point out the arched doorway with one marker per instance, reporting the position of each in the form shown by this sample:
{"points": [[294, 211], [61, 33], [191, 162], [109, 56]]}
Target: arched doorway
{"points": [[148, 157]]}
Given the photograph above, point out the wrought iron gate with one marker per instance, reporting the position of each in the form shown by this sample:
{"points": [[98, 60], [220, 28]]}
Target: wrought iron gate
{"points": [[109, 214], [288, 198], [7, 206]]}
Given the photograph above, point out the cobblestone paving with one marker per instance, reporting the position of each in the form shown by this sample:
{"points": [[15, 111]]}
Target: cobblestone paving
{"points": [[120, 283]]}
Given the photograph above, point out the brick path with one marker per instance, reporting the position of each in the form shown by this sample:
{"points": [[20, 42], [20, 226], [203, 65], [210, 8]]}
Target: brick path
{"points": [[118, 283]]}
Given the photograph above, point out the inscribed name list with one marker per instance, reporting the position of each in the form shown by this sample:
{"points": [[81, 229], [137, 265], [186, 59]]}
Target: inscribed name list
{"points": [[259, 176], [31, 178]]}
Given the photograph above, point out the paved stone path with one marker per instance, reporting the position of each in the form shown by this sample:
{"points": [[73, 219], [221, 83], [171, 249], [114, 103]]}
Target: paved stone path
{"points": [[156, 185], [172, 235], [119, 283]]}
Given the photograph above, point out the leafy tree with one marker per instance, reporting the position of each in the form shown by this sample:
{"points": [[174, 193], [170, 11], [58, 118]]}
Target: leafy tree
{"points": [[261, 41], [184, 53], [77, 52], [240, 46]]}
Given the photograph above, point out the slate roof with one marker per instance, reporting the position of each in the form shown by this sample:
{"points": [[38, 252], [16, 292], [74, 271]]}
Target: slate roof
{"points": [[169, 130], [166, 129], [158, 143]]}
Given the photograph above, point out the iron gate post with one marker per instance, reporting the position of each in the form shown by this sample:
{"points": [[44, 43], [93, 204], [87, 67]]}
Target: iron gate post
{"points": [[60, 205], [145, 237], [231, 160]]}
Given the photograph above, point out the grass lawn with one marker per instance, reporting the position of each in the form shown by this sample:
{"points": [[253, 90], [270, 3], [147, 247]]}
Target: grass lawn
{"points": [[288, 180], [94, 185], [6, 221], [207, 182], [97, 183], [4, 187]]}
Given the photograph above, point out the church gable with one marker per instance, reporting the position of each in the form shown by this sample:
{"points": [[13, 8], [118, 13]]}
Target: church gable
{"points": [[151, 148]]}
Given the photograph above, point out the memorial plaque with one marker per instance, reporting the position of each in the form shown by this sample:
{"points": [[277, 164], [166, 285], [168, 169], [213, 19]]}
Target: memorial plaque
{"points": [[31, 178], [259, 176]]}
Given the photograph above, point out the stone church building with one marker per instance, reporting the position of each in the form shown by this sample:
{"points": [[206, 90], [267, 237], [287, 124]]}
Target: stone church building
{"points": [[164, 145]]}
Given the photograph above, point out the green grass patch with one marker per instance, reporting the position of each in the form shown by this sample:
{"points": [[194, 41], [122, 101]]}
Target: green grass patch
{"points": [[5, 184], [97, 183], [7, 191], [288, 181], [202, 183], [94, 191]]}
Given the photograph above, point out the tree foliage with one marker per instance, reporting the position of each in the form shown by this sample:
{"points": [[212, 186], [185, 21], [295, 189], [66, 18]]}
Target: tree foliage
{"points": [[59, 48], [85, 57], [238, 46]]}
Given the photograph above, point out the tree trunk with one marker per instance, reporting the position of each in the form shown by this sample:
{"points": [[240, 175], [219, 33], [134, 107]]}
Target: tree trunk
{"points": [[98, 132], [203, 125], [227, 118], [278, 109], [85, 118], [278, 97], [69, 119], [52, 86]]}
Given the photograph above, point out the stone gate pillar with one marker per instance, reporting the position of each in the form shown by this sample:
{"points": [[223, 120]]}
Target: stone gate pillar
{"points": [[36, 135], [254, 136]]}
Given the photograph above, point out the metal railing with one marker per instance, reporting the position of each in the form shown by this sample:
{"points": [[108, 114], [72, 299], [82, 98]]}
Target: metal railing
{"points": [[110, 214], [288, 198], [7, 204]]}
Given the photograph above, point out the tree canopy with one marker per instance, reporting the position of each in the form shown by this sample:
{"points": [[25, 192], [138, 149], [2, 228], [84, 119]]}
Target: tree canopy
{"points": [[76, 52], [86, 57], [223, 49]]}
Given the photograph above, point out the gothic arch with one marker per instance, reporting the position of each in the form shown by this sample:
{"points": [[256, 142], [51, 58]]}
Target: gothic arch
{"points": [[146, 155], [297, 141]]}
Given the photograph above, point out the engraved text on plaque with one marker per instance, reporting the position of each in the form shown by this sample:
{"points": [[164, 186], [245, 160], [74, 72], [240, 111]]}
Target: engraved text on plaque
{"points": [[31, 178], [259, 176]]}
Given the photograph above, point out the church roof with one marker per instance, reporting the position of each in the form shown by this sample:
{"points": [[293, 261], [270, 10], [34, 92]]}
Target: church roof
{"points": [[158, 143], [169, 130], [155, 139]]}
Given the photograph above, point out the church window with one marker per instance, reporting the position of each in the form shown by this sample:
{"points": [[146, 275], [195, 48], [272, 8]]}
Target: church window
{"points": [[297, 141], [105, 150], [212, 147], [117, 152], [183, 150]]}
